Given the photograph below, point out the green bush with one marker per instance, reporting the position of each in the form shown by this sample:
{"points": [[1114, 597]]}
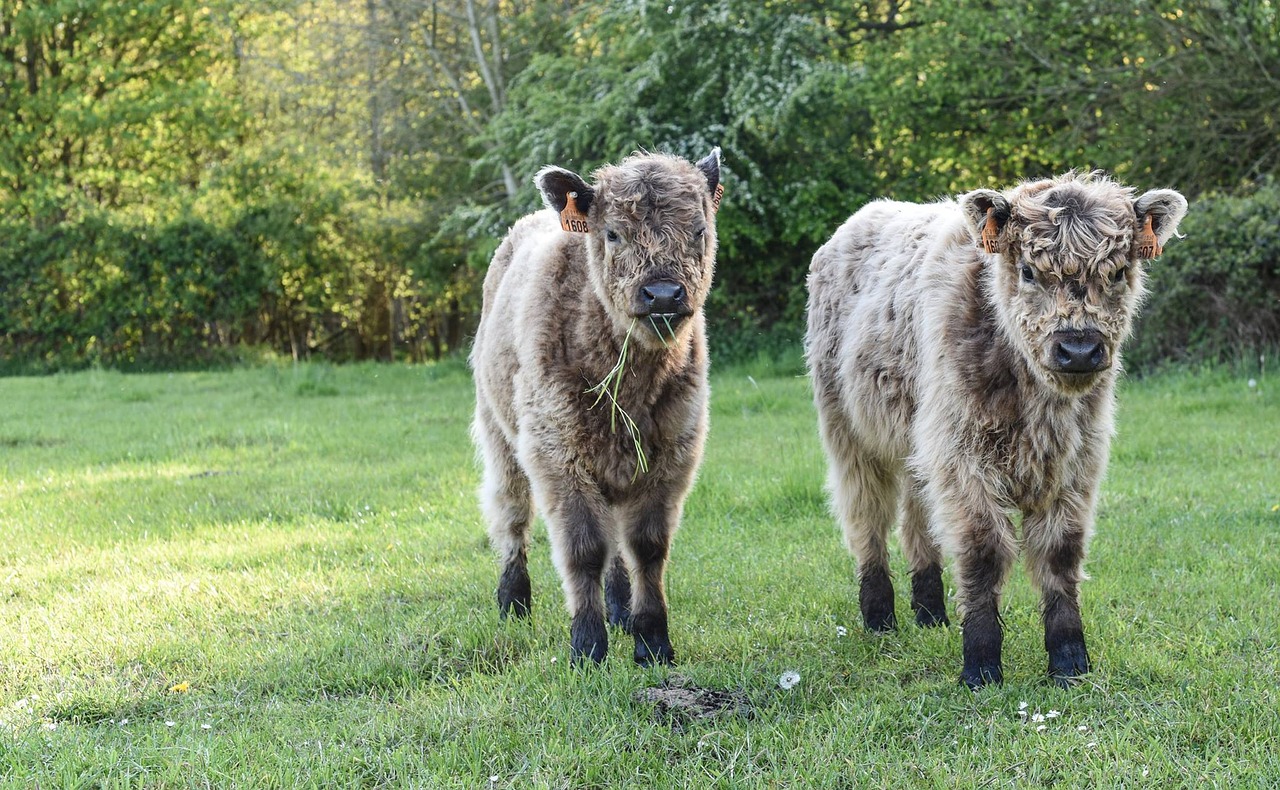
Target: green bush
{"points": [[1214, 296]]}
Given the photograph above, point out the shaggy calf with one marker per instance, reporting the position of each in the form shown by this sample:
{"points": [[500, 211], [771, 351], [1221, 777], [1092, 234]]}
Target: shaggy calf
{"points": [[964, 356], [591, 388]]}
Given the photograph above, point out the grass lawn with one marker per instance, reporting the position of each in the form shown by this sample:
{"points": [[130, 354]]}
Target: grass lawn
{"points": [[278, 577]]}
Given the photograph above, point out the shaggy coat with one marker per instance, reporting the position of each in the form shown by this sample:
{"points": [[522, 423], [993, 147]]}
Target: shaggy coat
{"points": [[629, 256], [964, 358]]}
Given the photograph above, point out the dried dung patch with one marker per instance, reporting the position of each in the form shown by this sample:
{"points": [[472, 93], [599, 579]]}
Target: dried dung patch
{"points": [[679, 702]]}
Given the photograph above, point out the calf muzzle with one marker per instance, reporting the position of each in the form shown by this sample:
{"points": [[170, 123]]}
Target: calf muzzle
{"points": [[663, 297], [1079, 351]]}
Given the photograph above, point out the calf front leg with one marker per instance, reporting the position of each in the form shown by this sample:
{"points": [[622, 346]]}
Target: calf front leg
{"points": [[1055, 557], [647, 543], [581, 549], [986, 550]]}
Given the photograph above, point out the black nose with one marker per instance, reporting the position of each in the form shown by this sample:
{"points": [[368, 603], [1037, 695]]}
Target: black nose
{"points": [[1079, 352], [662, 296]]}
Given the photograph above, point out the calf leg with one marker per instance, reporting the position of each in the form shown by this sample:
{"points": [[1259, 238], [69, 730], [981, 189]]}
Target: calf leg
{"points": [[925, 561], [508, 509], [1055, 559], [647, 544], [617, 594], [581, 547], [864, 495], [986, 550]]}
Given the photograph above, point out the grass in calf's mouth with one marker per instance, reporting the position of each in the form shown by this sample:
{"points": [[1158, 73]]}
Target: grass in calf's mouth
{"points": [[609, 387]]}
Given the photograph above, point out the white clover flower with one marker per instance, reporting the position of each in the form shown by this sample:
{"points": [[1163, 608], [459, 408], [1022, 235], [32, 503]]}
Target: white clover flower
{"points": [[1037, 717], [842, 631], [1022, 705], [1083, 728], [1041, 728], [1053, 714], [789, 679], [206, 726]]}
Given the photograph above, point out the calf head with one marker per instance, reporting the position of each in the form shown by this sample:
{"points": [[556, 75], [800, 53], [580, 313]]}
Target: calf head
{"points": [[1065, 267], [649, 225]]}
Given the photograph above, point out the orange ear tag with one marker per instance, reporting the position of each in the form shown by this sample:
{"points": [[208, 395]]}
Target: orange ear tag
{"points": [[571, 219], [715, 198], [990, 232], [1147, 243]]}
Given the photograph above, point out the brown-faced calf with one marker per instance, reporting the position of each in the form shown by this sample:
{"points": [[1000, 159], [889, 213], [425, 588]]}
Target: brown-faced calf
{"points": [[623, 262], [964, 356]]}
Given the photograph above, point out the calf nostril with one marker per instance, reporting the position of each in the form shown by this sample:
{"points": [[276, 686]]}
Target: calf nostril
{"points": [[677, 293]]}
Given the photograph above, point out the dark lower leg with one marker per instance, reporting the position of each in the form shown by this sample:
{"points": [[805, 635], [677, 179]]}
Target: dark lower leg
{"points": [[648, 601], [617, 594], [1064, 639], [927, 599], [982, 570], [875, 596], [515, 594]]}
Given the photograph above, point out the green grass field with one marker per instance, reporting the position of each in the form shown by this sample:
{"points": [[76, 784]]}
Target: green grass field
{"points": [[278, 577]]}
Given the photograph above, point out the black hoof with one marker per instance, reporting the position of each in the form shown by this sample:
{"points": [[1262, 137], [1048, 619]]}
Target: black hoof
{"points": [[1067, 662], [515, 595], [977, 677], [653, 645], [648, 654], [876, 599], [927, 619], [588, 639]]}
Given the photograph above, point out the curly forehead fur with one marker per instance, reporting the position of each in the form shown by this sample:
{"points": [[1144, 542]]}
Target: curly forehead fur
{"points": [[1074, 219], [656, 193]]}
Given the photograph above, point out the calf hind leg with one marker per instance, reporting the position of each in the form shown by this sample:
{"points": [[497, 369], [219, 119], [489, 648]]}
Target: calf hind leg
{"points": [[508, 509], [925, 561], [617, 594], [864, 495]]}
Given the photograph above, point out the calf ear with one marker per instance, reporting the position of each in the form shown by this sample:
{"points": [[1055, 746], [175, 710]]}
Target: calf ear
{"points": [[986, 214], [1165, 208], [710, 167], [567, 194]]}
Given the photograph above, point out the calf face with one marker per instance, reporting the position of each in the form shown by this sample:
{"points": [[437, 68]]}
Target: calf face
{"points": [[1071, 277], [651, 237]]}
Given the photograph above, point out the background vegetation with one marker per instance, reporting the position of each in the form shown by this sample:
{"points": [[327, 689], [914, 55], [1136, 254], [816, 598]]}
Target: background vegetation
{"points": [[278, 577], [181, 180]]}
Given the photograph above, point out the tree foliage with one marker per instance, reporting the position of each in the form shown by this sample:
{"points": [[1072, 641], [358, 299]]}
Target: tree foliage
{"points": [[180, 179]]}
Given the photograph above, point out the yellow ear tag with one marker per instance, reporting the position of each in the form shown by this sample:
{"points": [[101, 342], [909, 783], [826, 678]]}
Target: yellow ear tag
{"points": [[990, 232], [1147, 243], [571, 219], [715, 198]]}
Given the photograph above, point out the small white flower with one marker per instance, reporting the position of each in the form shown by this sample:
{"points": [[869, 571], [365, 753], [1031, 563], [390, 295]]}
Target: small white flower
{"points": [[51, 725], [1022, 714], [206, 726], [170, 724], [553, 659], [1146, 771], [123, 722], [1022, 705], [1041, 728], [1083, 728], [1053, 714], [789, 679], [1037, 717], [842, 631], [1091, 745], [1253, 383]]}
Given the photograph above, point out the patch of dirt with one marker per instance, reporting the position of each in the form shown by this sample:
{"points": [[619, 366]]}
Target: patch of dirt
{"points": [[679, 702]]}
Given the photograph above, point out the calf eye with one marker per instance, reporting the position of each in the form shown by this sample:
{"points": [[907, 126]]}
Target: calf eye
{"points": [[1118, 275], [1028, 274], [700, 233], [610, 236]]}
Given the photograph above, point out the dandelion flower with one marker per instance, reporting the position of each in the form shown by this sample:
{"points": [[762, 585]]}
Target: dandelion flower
{"points": [[180, 688], [1275, 508], [789, 679]]}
